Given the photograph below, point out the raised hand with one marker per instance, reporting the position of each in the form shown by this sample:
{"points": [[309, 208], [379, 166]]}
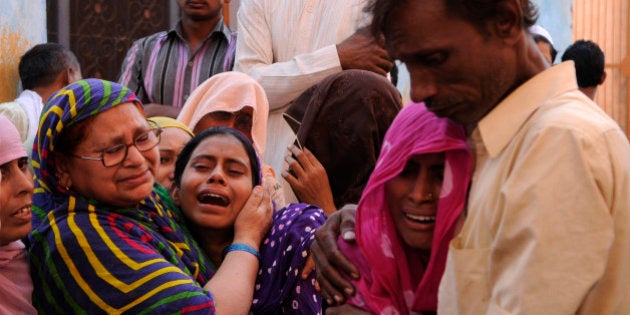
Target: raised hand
{"points": [[364, 52], [308, 179], [255, 219]]}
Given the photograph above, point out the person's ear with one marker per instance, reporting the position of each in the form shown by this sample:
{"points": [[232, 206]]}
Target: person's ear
{"points": [[174, 191], [508, 22], [603, 78], [62, 171]]}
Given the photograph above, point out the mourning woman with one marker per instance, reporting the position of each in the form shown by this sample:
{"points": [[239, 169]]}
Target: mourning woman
{"points": [[105, 238], [408, 214], [214, 176]]}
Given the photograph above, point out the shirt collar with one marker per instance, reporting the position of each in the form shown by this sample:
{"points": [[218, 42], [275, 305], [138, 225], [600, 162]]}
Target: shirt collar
{"points": [[501, 124], [220, 28]]}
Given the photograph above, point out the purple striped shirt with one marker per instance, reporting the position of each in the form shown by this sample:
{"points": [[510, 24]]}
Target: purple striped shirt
{"points": [[161, 69]]}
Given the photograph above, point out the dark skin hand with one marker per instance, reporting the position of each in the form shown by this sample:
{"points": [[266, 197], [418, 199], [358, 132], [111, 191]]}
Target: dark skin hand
{"points": [[329, 260], [308, 179], [364, 52]]}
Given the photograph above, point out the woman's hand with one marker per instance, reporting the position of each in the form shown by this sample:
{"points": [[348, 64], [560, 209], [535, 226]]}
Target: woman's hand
{"points": [[308, 179], [255, 219]]}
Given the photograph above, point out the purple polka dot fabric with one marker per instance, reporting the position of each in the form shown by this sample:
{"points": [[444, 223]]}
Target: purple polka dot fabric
{"points": [[279, 285]]}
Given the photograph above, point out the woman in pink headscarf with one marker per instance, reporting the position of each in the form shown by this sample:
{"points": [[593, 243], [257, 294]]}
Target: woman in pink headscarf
{"points": [[408, 214], [236, 100], [16, 194]]}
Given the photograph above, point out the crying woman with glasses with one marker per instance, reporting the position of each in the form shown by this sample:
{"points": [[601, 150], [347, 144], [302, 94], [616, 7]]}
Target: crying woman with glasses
{"points": [[106, 238]]}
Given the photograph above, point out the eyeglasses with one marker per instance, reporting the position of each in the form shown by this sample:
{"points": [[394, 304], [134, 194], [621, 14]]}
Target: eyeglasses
{"points": [[115, 155]]}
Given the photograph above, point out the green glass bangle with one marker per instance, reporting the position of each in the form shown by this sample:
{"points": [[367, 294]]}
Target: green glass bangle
{"points": [[241, 247]]}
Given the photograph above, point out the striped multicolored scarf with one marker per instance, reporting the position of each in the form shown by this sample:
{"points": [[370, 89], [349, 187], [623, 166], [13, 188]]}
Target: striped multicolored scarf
{"points": [[90, 257]]}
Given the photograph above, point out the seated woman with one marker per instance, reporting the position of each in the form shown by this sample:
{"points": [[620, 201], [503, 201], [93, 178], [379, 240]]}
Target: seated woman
{"points": [[214, 175], [233, 99], [105, 238], [339, 136], [411, 207], [173, 138], [16, 196]]}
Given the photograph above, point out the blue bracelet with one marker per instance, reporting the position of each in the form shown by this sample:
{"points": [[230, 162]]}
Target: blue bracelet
{"points": [[241, 247]]}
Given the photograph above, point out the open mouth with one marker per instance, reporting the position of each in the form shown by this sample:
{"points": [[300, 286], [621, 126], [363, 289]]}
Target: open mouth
{"points": [[213, 199], [22, 212], [424, 219]]}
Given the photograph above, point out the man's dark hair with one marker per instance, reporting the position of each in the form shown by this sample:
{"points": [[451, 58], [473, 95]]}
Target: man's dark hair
{"points": [[552, 50], [478, 12], [40, 65], [589, 62]]}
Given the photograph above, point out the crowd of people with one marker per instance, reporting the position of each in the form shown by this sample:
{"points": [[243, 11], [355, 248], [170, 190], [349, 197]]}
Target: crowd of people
{"points": [[277, 171]]}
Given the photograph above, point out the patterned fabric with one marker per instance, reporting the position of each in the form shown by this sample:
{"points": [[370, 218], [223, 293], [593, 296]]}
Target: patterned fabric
{"points": [[279, 285], [161, 69], [386, 267], [343, 121], [89, 257]]}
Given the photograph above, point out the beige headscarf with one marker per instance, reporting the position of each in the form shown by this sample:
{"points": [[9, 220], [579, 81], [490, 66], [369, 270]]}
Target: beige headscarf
{"points": [[229, 92]]}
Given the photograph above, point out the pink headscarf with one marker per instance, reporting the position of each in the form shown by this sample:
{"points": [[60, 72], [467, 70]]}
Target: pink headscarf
{"points": [[229, 92], [11, 147], [16, 285], [386, 279]]}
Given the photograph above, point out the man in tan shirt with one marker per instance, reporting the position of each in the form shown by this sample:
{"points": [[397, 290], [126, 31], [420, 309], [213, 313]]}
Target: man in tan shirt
{"points": [[549, 206]]}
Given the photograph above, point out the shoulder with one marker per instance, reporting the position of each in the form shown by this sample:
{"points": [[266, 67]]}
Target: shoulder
{"points": [[150, 41], [574, 113]]}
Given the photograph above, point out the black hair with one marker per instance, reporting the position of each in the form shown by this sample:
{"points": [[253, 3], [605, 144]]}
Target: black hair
{"points": [[539, 38], [184, 156], [40, 65], [589, 62], [477, 12]]}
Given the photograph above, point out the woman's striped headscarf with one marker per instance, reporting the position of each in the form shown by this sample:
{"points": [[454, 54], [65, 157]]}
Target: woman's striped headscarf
{"points": [[70, 105], [91, 257]]}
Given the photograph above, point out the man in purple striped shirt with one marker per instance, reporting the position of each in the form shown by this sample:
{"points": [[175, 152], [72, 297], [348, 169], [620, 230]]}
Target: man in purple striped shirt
{"points": [[164, 68]]}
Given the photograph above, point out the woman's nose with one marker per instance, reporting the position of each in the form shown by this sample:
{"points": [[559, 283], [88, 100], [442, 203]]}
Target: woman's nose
{"points": [[217, 176]]}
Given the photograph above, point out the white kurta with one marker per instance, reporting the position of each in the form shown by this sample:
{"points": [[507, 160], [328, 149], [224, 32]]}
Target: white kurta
{"points": [[288, 46]]}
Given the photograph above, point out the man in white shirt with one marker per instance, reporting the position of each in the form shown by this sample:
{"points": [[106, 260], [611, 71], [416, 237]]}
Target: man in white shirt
{"points": [[290, 45], [548, 210], [43, 70]]}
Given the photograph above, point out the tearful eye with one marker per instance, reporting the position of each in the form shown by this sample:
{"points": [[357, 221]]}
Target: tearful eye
{"points": [[236, 172], [410, 170], [23, 163], [142, 138], [114, 149], [435, 59], [200, 167]]}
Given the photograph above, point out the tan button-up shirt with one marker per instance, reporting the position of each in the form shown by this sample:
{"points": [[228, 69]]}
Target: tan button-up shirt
{"points": [[548, 210]]}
